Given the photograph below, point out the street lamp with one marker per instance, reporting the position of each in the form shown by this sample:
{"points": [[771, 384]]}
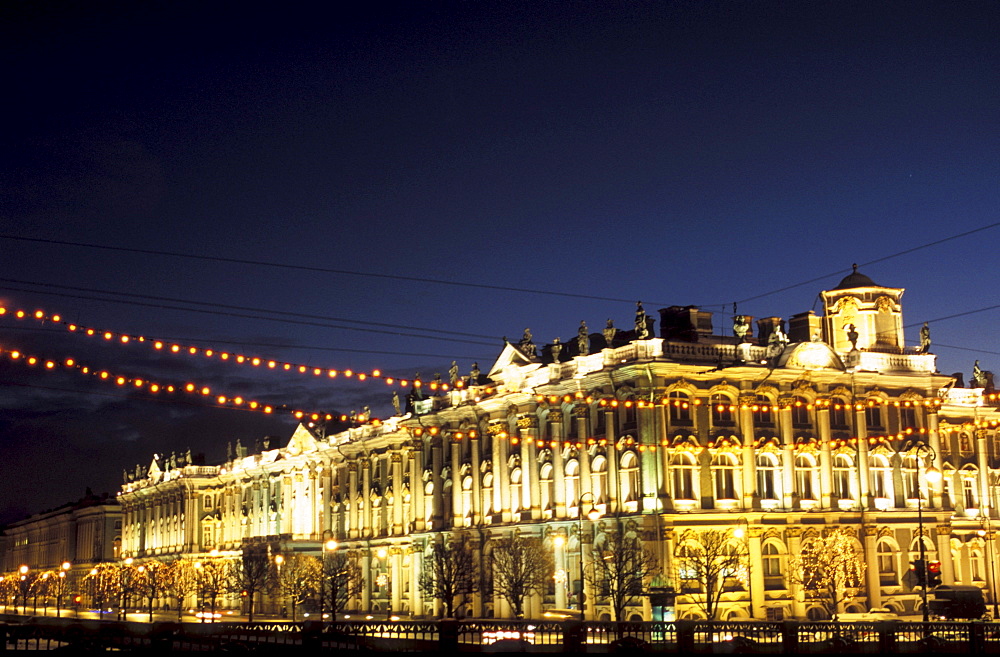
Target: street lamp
{"points": [[984, 522], [329, 572], [742, 531], [278, 560], [593, 515], [62, 584], [386, 578], [931, 474], [24, 586], [560, 577]]}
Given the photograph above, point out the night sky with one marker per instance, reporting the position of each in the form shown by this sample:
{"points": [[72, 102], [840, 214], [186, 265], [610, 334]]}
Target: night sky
{"points": [[402, 185]]}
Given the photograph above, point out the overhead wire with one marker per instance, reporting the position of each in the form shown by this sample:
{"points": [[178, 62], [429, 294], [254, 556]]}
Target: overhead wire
{"points": [[240, 308], [870, 262], [282, 320], [312, 268]]}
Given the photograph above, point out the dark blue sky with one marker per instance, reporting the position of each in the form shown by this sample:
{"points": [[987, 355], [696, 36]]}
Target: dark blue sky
{"points": [[673, 152]]}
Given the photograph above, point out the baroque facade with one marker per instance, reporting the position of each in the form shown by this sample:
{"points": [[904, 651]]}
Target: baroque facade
{"points": [[785, 435]]}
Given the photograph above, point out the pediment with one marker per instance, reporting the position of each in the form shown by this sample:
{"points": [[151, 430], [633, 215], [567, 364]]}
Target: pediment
{"points": [[302, 441], [510, 355], [154, 473]]}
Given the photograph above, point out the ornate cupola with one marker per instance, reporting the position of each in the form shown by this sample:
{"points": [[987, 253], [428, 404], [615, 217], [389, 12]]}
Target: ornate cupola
{"points": [[874, 312]]}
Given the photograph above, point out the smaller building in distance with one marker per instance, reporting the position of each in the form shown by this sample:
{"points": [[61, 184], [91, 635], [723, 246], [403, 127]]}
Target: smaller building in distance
{"points": [[83, 533]]}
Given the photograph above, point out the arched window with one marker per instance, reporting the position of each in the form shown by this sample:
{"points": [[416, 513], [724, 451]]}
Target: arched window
{"points": [[976, 563], [628, 416], [487, 494], [515, 490], [886, 555], [722, 410], [599, 479], [838, 413], [800, 413], [970, 491], [630, 477], [679, 405], [881, 475], [683, 466], [843, 477], [806, 477], [724, 475], [907, 417], [547, 487], [572, 482], [466, 499], [874, 418], [768, 476], [930, 550], [910, 472], [771, 566], [763, 414]]}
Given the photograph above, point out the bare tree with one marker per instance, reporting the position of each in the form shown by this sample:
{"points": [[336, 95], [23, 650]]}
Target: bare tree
{"points": [[342, 580], [151, 583], [213, 580], [520, 568], [829, 569], [706, 562], [449, 572], [103, 585], [181, 581], [298, 578], [249, 575], [620, 568]]}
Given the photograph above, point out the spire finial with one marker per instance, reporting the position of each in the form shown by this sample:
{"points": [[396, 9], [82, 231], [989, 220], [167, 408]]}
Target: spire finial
{"points": [[855, 265]]}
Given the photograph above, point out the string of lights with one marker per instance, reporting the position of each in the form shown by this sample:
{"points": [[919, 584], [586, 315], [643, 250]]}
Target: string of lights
{"points": [[156, 387], [115, 337]]}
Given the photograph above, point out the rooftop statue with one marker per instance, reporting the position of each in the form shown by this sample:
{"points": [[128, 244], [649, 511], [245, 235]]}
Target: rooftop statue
{"points": [[852, 335], [978, 376], [641, 328], [925, 338], [609, 332], [741, 327], [776, 342], [453, 374], [582, 339], [527, 345]]}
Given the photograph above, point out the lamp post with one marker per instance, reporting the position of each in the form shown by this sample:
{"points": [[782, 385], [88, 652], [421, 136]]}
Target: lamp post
{"points": [[278, 560], [930, 474], [987, 534], [24, 584], [742, 531], [383, 553], [62, 585], [329, 573], [593, 515]]}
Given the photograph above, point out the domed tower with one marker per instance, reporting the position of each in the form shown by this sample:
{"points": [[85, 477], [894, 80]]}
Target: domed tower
{"points": [[875, 312]]}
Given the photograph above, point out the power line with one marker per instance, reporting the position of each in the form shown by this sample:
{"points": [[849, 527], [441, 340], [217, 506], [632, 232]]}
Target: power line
{"points": [[242, 308], [870, 262], [249, 316], [324, 270]]}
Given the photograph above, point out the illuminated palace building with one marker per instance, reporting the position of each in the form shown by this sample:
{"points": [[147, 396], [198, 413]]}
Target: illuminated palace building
{"points": [[774, 434]]}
